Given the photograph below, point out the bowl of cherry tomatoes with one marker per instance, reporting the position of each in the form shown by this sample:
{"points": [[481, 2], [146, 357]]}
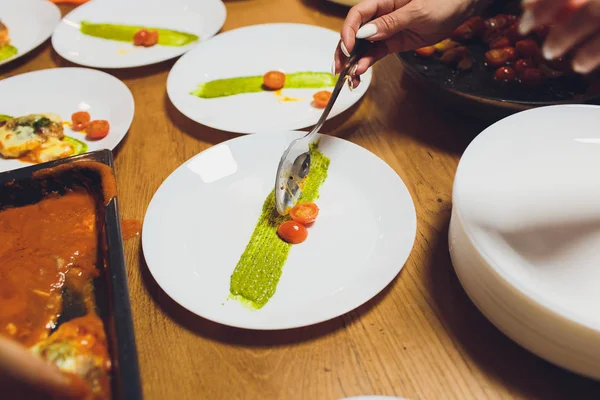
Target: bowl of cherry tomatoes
{"points": [[486, 68]]}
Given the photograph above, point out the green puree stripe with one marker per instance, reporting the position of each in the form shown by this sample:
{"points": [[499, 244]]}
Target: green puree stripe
{"points": [[253, 84], [259, 269], [125, 33]]}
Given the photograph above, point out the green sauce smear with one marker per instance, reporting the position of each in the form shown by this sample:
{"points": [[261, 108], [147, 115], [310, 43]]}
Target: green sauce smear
{"points": [[7, 51], [79, 146], [253, 84], [125, 33], [259, 269]]}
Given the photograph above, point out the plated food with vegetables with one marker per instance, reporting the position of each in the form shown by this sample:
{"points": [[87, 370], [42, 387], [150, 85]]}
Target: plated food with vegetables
{"points": [[261, 78], [215, 243], [134, 33]]}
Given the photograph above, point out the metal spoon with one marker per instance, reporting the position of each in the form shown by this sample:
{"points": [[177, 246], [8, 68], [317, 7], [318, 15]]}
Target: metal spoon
{"points": [[294, 165]]}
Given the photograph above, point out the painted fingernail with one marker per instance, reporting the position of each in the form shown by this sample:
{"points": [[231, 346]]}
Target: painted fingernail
{"points": [[366, 31], [333, 68], [354, 69], [527, 22], [344, 50], [549, 52]]}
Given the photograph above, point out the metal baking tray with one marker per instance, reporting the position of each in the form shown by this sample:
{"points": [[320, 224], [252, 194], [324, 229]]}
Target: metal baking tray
{"points": [[18, 188]]}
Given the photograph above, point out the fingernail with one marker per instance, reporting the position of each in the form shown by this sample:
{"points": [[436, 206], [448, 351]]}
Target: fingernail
{"points": [[549, 52], [333, 68], [349, 82], [580, 68], [344, 50], [366, 31], [527, 22], [354, 69], [528, 3]]}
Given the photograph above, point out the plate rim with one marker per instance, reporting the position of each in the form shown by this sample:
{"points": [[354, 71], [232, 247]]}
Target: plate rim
{"points": [[258, 327]]}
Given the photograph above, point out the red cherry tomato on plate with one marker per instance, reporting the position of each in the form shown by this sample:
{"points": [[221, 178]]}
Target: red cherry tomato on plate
{"points": [[97, 129], [292, 232], [274, 80], [532, 76], [80, 120], [528, 48], [305, 213], [140, 37], [152, 39], [522, 64], [426, 51], [498, 57]]}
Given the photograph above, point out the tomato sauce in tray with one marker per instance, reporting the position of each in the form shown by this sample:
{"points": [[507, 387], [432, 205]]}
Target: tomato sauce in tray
{"points": [[53, 260]]}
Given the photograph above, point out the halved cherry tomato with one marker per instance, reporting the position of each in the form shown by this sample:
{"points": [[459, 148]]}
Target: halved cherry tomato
{"points": [[320, 99], [426, 51], [528, 48], [274, 80], [532, 76], [499, 42], [468, 29], [445, 45], [292, 232], [498, 22], [152, 39], [454, 55], [498, 57], [513, 33], [80, 120], [140, 37], [522, 64], [505, 74], [97, 129], [305, 213]]}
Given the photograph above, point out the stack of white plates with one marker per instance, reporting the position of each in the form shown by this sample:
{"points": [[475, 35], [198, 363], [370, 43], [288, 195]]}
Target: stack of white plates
{"points": [[525, 231]]}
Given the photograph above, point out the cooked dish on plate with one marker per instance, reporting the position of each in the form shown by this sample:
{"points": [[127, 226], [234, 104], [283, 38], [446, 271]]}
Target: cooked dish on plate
{"points": [[6, 49], [38, 138], [272, 81], [49, 259], [255, 278]]}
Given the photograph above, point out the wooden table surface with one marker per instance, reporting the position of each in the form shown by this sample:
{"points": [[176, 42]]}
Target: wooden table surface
{"points": [[421, 338]]}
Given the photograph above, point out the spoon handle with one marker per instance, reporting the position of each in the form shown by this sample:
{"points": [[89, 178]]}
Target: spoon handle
{"points": [[359, 50]]}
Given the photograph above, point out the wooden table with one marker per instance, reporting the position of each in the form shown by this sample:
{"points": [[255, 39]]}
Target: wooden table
{"points": [[421, 338]]}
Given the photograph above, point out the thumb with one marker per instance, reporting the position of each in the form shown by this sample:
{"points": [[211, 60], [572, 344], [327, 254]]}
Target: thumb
{"points": [[388, 25]]}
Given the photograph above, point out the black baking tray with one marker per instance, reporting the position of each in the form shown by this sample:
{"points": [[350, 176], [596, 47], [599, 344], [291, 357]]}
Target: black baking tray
{"points": [[19, 188]]}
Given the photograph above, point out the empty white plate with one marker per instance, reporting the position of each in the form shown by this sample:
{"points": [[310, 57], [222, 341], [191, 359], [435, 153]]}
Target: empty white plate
{"points": [[201, 219], [29, 23], [64, 91], [525, 231], [253, 51], [201, 18]]}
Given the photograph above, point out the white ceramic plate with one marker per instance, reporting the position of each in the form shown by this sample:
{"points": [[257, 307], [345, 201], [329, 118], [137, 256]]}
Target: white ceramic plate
{"points": [[253, 51], [202, 18], [524, 234], [29, 23], [201, 218], [64, 91]]}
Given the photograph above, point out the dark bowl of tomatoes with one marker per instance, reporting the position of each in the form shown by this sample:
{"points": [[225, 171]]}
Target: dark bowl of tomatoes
{"points": [[487, 69]]}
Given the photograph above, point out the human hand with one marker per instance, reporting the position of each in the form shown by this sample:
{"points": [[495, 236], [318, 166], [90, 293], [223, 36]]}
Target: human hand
{"points": [[574, 28], [398, 25]]}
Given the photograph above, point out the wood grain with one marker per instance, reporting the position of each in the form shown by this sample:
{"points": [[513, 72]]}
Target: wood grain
{"points": [[421, 338]]}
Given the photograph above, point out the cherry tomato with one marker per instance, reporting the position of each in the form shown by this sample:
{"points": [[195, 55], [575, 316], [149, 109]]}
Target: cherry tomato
{"points": [[528, 48], [532, 76], [454, 55], [496, 23], [505, 74], [139, 39], [498, 57], [274, 80], [468, 29], [522, 64], [152, 39], [80, 120], [426, 51], [97, 129], [513, 34], [499, 42], [305, 213], [465, 64], [445, 45], [292, 232], [320, 99]]}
